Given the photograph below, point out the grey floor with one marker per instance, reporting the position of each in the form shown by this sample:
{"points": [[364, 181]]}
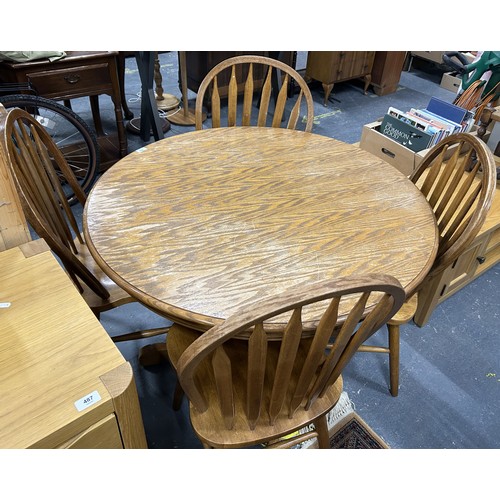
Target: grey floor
{"points": [[449, 394]]}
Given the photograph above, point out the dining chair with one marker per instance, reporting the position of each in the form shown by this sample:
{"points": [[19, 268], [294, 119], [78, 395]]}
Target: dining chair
{"points": [[247, 385], [241, 73], [40, 174], [458, 178]]}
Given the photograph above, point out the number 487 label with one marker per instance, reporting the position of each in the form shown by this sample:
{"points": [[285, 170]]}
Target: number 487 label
{"points": [[87, 401]]}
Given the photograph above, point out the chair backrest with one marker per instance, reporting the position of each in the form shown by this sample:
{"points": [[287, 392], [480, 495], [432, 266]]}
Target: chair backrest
{"points": [[39, 171], [245, 66], [458, 178], [282, 377]]}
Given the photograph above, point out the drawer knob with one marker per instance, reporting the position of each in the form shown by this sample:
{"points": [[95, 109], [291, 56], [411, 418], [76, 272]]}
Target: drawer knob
{"points": [[72, 78], [481, 260]]}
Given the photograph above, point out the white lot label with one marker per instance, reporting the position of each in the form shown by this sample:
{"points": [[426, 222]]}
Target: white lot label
{"points": [[87, 401]]}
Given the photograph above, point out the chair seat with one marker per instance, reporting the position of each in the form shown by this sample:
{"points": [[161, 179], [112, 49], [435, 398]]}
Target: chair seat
{"points": [[242, 436], [406, 313], [117, 295], [207, 424]]}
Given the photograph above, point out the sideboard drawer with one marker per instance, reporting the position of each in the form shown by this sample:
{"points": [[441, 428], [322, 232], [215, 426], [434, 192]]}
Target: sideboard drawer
{"points": [[105, 434], [483, 253], [72, 82]]}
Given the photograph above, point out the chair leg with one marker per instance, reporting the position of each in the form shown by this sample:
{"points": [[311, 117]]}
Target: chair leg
{"points": [[321, 426], [393, 358]]}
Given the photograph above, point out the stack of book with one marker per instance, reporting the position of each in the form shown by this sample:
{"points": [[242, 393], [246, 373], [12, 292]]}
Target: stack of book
{"points": [[419, 129]]}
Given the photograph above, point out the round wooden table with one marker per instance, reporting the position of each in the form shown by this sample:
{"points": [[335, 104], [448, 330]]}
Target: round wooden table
{"points": [[196, 225]]}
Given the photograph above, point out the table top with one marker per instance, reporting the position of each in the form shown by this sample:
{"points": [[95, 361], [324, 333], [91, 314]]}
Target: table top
{"points": [[196, 225]]}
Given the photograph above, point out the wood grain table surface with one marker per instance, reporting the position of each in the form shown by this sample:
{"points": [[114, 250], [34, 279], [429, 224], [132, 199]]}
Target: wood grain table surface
{"points": [[198, 224]]}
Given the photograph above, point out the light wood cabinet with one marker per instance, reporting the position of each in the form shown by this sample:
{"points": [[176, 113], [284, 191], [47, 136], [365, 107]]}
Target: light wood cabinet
{"points": [[482, 254], [63, 382], [13, 226], [332, 67]]}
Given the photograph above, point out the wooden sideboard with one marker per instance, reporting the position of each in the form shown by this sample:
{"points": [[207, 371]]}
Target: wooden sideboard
{"points": [[332, 67], [482, 254], [63, 382], [79, 74]]}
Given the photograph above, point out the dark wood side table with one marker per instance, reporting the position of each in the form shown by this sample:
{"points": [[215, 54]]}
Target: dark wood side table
{"points": [[79, 74]]}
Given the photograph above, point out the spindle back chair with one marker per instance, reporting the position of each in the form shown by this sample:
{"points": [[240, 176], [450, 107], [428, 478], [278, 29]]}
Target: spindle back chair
{"points": [[39, 169], [245, 389], [458, 178], [245, 66]]}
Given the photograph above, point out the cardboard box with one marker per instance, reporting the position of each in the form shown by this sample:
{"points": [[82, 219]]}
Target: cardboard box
{"points": [[405, 160], [430, 55], [451, 81]]}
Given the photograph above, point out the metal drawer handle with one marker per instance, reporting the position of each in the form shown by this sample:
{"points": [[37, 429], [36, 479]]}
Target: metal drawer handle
{"points": [[388, 153], [481, 259], [72, 78]]}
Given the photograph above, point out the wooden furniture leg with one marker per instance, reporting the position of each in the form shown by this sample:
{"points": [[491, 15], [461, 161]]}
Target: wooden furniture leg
{"points": [[367, 79], [96, 114], [185, 116], [120, 64], [393, 359], [150, 119], [163, 101], [327, 88], [321, 427]]}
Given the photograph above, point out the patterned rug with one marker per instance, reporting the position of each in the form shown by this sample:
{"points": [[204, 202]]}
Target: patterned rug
{"points": [[348, 430], [354, 434]]}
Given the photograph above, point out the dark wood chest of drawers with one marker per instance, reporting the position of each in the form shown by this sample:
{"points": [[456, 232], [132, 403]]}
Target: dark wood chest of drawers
{"points": [[332, 67], [79, 74]]}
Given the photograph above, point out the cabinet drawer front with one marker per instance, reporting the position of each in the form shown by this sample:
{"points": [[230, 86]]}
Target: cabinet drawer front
{"points": [[465, 266], [494, 240], [331, 67], [355, 64], [72, 82], [104, 435]]}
